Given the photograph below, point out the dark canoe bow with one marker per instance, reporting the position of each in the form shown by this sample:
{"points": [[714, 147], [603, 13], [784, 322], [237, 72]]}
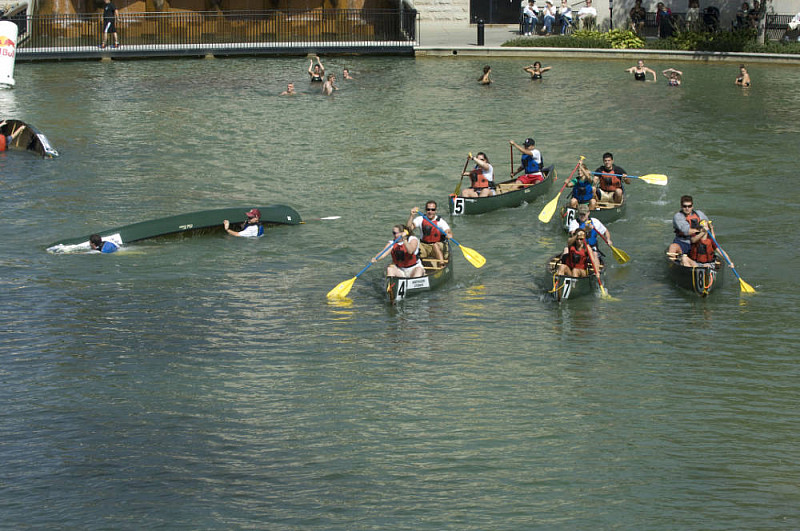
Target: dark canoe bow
{"points": [[30, 139], [436, 274], [205, 221], [701, 280], [606, 212], [566, 288], [514, 197]]}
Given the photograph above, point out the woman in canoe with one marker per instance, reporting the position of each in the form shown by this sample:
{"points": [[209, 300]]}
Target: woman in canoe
{"points": [[405, 255], [575, 259], [482, 177]]}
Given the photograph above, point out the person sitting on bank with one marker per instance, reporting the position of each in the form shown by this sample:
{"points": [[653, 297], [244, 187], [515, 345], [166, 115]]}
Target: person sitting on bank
{"points": [[97, 244], [685, 223], [640, 71], [702, 250], [592, 227], [434, 230], [610, 178], [638, 16], [530, 162], [482, 177], [582, 188], [575, 258], [673, 77], [587, 16], [316, 71], [7, 140], [565, 16], [405, 255], [252, 227]]}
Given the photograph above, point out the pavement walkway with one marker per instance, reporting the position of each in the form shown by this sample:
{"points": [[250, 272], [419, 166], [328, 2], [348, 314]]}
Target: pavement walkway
{"points": [[459, 35]]}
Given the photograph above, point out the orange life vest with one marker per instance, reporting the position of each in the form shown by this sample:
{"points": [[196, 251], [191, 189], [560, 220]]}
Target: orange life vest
{"points": [[694, 223], [702, 251], [401, 257], [610, 183], [577, 258], [478, 180], [3, 144]]}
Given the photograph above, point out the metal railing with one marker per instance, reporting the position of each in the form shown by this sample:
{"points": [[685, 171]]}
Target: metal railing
{"points": [[211, 28]]}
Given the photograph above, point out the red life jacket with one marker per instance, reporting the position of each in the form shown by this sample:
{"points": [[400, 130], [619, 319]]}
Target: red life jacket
{"points": [[703, 251], [431, 232], [3, 145], [610, 183], [694, 223], [577, 258], [478, 180], [401, 257]]}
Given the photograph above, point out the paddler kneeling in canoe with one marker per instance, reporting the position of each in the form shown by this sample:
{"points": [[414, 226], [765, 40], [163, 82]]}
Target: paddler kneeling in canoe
{"points": [[575, 259], [405, 255]]}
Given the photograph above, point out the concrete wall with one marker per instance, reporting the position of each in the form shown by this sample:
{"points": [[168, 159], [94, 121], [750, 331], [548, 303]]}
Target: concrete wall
{"points": [[443, 10]]}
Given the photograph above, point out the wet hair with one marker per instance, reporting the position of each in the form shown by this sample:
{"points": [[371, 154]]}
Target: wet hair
{"points": [[608, 155], [687, 199], [95, 240], [537, 63], [486, 69], [484, 156]]}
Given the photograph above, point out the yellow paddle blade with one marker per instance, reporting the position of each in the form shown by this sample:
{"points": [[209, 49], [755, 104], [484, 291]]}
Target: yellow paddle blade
{"points": [[655, 178], [549, 209], [620, 255], [473, 257], [342, 289], [458, 188], [746, 288]]}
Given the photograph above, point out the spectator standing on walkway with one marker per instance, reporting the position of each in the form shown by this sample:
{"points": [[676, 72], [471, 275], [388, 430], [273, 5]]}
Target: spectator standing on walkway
{"points": [[664, 21], [110, 14]]}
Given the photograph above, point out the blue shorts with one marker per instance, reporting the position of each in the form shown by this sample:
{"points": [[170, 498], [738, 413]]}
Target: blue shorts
{"points": [[685, 246]]}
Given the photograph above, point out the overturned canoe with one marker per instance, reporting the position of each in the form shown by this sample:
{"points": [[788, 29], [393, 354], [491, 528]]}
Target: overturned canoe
{"points": [[508, 195], [206, 221], [436, 274], [699, 279], [30, 138]]}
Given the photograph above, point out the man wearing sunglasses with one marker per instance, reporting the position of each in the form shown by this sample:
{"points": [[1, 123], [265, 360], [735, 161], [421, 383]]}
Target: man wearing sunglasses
{"points": [[434, 231], [686, 223]]}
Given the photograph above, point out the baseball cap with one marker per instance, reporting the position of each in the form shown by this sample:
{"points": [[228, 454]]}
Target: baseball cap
{"points": [[530, 142], [254, 213]]}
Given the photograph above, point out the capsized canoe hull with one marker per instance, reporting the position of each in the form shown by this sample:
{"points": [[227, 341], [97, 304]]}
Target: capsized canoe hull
{"points": [[701, 280], [567, 288], [398, 289], [478, 205], [204, 221], [30, 139]]}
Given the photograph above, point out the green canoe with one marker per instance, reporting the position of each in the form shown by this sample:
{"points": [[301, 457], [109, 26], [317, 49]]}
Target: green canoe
{"points": [[565, 287], [205, 221], [514, 197], [30, 138], [606, 212], [436, 274], [701, 280]]}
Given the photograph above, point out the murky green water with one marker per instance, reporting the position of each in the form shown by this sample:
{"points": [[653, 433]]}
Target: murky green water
{"points": [[207, 383]]}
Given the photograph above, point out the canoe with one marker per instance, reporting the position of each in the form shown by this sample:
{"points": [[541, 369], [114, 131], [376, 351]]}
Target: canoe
{"points": [[606, 212], [508, 195], [436, 274], [203, 222], [30, 139], [565, 287], [701, 280]]}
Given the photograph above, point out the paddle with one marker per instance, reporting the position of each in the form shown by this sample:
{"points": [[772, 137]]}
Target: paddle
{"points": [[650, 178], [458, 188], [321, 219], [473, 257], [343, 288], [550, 208], [745, 287], [619, 255], [603, 293]]}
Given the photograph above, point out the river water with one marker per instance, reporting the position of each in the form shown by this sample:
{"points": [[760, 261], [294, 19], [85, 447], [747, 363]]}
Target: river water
{"points": [[207, 382]]}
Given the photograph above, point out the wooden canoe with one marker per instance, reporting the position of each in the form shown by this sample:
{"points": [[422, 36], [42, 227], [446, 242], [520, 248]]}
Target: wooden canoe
{"points": [[606, 212], [30, 139], [202, 222], [508, 195], [701, 280], [565, 287], [436, 274]]}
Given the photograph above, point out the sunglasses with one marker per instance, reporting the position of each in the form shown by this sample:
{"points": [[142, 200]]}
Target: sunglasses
{"points": [[430, 209], [687, 206]]}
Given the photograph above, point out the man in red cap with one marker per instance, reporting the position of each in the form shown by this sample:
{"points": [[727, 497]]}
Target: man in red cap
{"points": [[252, 227]]}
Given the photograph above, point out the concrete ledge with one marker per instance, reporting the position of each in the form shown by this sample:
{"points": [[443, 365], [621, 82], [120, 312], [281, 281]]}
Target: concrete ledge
{"points": [[594, 53]]}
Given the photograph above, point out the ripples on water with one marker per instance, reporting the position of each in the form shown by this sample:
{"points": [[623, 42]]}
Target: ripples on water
{"points": [[206, 382]]}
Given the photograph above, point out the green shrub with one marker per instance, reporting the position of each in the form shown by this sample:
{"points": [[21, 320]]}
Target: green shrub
{"points": [[624, 39]]}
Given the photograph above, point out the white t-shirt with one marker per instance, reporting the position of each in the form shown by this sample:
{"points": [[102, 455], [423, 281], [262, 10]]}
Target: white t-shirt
{"points": [[587, 12], [442, 224], [250, 231], [596, 223]]}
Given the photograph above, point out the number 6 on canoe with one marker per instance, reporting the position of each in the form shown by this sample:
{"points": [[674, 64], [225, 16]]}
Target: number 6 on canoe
{"points": [[473, 257], [343, 288]]}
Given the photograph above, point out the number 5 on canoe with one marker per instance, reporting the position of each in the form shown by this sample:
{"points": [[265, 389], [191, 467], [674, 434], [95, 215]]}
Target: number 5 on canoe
{"points": [[343, 288], [473, 257]]}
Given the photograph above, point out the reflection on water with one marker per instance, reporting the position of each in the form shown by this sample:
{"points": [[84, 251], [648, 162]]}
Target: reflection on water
{"points": [[209, 381]]}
